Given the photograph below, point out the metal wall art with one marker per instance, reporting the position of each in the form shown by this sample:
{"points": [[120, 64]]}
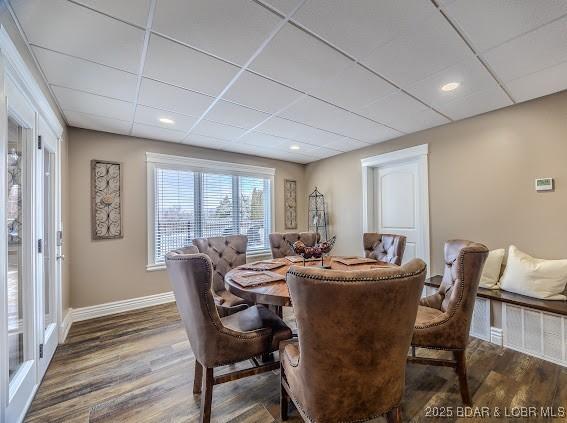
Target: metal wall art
{"points": [[290, 194], [106, 199]]}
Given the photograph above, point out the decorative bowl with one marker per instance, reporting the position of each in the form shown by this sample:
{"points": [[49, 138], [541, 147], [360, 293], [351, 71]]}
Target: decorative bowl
{"points": [[316, 251]]}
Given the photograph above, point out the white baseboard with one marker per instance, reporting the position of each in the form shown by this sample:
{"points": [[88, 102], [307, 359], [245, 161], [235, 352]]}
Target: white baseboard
{"points": [[100, 310], [65, 326], [496, 336]]}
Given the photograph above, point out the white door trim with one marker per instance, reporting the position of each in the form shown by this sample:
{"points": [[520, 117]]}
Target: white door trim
{"points": [[13, 68], [370, 164]]}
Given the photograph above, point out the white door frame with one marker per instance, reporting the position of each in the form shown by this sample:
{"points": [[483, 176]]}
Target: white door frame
{"points": [[370, 164], [12, 66]]}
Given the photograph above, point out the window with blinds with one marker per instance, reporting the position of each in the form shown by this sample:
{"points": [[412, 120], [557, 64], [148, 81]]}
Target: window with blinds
{"points": [[194, 203]]}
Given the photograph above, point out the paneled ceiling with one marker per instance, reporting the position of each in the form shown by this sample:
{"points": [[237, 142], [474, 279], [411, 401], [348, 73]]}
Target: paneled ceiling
{"points": [[298, 80]]}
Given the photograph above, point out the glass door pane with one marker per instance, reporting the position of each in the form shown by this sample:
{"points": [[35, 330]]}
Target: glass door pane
{"points": [[48, 238], [15, 221]]}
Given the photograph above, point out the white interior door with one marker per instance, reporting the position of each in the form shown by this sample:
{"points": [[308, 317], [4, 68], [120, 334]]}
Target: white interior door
{"points": [[397, 204], [395, 198]]}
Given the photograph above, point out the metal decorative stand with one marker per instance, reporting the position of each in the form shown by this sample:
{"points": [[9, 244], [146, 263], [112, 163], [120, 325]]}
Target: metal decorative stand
{"points": [[317, 214]]}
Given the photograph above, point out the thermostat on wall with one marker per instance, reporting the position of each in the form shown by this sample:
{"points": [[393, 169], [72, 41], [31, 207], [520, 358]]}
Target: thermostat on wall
{"points": [[544, 184]]}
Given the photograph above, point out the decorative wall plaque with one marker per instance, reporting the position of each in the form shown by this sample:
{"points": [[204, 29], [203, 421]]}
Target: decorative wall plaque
{"points": [[290, 204], [106, 199]]}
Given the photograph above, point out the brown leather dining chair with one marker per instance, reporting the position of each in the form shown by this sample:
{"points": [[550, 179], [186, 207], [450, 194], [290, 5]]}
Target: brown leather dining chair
{"points": [[279, 242], [218, 341], [384, 247], [444, 318], [349, 366], [226, 253]]}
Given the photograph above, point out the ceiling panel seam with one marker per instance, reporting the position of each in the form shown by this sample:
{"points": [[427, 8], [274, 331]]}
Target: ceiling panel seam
{"points": [[143, 60]]}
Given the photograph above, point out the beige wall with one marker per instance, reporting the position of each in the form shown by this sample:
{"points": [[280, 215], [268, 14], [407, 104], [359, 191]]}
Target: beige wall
{"points": [[481, 181], [8, 23], [104, 271]]}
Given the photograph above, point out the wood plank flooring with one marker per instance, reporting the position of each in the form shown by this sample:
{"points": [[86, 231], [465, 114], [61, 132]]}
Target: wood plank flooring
{"points": [[138, 367]]}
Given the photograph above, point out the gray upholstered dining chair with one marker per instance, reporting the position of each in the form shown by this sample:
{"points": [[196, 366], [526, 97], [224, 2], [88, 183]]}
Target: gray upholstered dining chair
{"points": [[384, 247], [279, 242], [226, 253], [215, 340], [354, 330]]}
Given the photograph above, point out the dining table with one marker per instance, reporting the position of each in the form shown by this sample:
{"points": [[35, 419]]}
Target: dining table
{"points": [[276, 293]]}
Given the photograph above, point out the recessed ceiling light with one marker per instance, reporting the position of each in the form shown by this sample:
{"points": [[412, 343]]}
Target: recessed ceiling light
{"points": [[167, 120], [450, 86], [294, 147]]}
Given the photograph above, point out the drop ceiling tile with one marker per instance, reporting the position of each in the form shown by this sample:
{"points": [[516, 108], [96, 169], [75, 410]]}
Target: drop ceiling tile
{"points": [[66, 27], [488, 23], [298, 59], [323, 153], [404, 113], [208, 142], [353, 88], [157, 133], [246, 149], [233, 29], [277, 144], [70, 72], [80, 101], [358, 26], [97, 123], [151, 116], [283, 6], [538, 84], [534, 51], [325, 116], [133, 11], [167, 97], [260, 93], [476, 103], [264, 140], [218, 130], [429, 47], [346, 144], [233, 114], [297, 131], [470, 74], [179, 65]]}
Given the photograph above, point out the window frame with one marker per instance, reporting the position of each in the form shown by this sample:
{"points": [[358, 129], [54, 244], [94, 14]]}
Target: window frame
{"points": [[165, 161]]}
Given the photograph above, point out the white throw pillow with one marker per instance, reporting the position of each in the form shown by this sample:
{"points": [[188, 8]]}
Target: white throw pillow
{"points": [[538, 278], [491, 271]]}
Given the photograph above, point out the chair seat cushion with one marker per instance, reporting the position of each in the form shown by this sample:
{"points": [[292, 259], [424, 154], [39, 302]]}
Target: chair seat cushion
{"points": [[426, 315], [228, 299], [258, 317], [428, 331]]}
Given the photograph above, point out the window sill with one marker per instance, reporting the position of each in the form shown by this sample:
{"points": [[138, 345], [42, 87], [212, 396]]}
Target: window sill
{"points": [[155, 267]]}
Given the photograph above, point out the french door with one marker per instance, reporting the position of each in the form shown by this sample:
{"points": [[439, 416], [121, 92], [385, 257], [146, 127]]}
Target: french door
{"points": [[29, 213]]}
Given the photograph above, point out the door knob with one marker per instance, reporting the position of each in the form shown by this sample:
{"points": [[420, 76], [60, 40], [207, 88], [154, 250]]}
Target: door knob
{"points": [[61, 257]]}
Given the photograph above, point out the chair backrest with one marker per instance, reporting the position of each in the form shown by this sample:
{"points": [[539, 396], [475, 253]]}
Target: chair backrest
{"points": [[225, 252], [355, 328], [456, 295], [279, 242], [384, 247], [190, 274]]}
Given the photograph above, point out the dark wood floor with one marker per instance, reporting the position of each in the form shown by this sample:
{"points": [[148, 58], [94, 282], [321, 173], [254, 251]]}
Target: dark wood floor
{"points": [[138, 367]]}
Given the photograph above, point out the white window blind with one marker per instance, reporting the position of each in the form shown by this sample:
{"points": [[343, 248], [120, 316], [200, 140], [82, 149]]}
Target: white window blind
{"points": [[193, 203]]}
